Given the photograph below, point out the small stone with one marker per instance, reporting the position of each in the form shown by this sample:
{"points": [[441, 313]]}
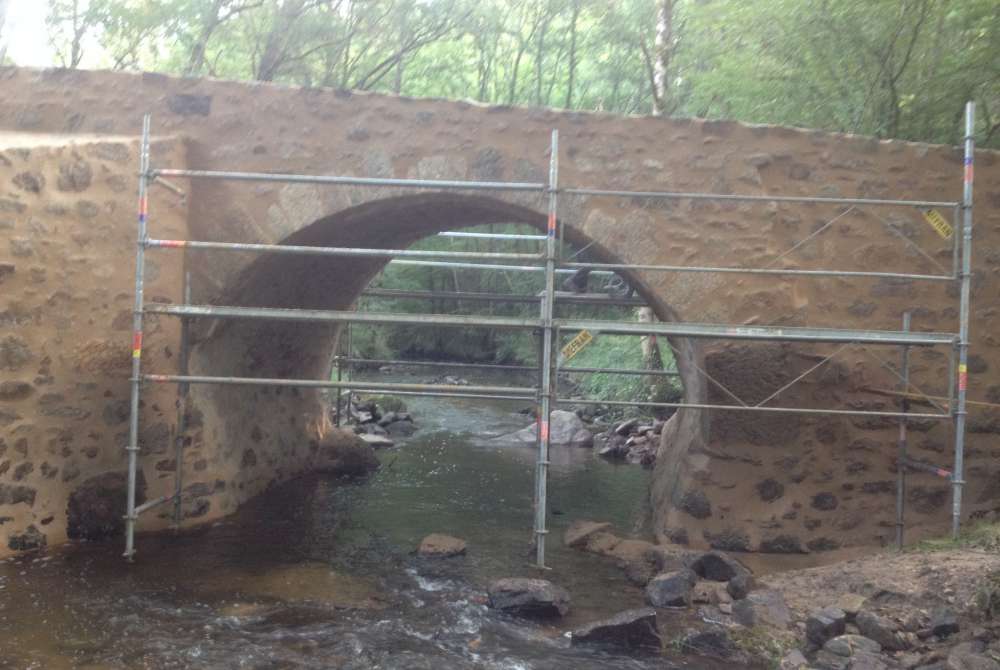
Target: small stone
{"points": [[437, 545], [376, 441], [534, 598], [881, 630], [944, 623], [579, 532], [713, 642], [793, 660], [851, 604], [766, 608], [671, 589], [740, 585], [718, 567], [825, 624], [630, 629]]}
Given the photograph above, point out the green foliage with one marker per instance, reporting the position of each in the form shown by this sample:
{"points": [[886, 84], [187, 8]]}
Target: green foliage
{"points": [[889, 68], [621, 351]]}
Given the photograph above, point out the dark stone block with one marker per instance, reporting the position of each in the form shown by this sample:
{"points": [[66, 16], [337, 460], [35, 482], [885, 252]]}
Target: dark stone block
{"points": [[14, 494], [782, 544], [825, 502], [75, 176], [29, 540], [189, 104], [770, 490], [696, 503], [96, 508]]}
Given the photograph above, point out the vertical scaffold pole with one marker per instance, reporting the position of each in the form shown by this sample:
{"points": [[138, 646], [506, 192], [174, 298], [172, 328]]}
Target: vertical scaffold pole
{"points": [[182, 394], [541, 472], [904, 370], [133, 428], [963, 332]]}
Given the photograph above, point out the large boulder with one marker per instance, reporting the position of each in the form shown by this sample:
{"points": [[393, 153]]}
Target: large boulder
{"points": [[533, 598], [825, 624], [671, 589], [565, 428], [630, 629]]}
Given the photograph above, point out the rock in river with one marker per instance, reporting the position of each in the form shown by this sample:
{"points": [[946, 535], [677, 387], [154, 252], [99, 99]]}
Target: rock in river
{"points": [[437, 545], [671, 589], [564, 428], [629, 629], [535, 598]]}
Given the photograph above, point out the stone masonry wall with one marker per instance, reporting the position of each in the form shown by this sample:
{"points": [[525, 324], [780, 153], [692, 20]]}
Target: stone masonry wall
{"points": [[734, 480]]}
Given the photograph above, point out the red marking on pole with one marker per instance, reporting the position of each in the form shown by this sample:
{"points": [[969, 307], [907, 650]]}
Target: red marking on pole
{"points": [[544, 430], [968, 173], [172, 244], [137, 344], [552, 224], [143, 206], [963, 381]]}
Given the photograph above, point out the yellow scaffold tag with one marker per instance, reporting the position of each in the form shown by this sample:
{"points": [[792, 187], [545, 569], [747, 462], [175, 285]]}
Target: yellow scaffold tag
{"points": [[576, 345], [938, 223]]}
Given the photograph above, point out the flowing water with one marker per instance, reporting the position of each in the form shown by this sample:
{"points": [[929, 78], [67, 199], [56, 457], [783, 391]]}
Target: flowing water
{"points": [[319, 572]]}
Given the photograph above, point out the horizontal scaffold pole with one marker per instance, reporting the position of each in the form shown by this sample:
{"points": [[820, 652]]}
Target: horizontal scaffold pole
{"points": [[513, 391], [752, 408], [484, 266], [341, 316], [759, 271], [606, 327], [772, 333], [300, 250], [561, 297], [491, 236], [350, 181], [622, 371], [673, 195], [443, 364]]}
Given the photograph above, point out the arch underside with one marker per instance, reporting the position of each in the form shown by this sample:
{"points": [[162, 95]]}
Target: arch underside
{"points": [[245, 348]]}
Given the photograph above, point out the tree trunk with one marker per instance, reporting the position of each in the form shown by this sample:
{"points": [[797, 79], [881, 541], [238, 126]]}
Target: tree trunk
{"points": [[664, 51], [572, 54]]}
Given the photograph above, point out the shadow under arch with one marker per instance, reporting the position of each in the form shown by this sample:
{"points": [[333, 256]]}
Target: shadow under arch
{"points": [[277, 420]]}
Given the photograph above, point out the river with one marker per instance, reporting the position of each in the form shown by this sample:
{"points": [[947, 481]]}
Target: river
{"points": [[319, 572]]}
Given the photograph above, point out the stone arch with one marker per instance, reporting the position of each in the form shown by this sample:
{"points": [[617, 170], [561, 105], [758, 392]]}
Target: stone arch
{"points": [[276, 422]]}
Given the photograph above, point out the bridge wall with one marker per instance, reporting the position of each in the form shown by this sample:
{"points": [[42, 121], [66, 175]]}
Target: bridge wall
{"points": [[734, 480]]}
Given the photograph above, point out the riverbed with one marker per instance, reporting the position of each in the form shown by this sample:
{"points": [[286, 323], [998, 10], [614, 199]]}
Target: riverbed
{"points": [[320, 572]]}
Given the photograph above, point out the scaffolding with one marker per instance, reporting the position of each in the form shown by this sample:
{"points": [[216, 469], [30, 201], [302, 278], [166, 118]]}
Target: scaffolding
{"points": [[549, 327]]}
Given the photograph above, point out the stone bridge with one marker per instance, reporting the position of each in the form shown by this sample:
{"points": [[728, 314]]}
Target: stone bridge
{"points": [[68, 157]]}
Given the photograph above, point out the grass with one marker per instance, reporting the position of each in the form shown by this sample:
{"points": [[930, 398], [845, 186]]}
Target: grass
{"points": [[983, 535]]}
